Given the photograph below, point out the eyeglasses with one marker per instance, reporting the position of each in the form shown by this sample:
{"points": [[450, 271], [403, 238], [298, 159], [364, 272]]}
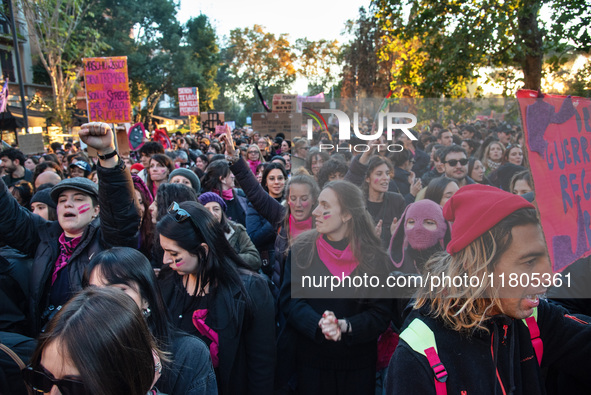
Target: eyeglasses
{"points": [[454, 162], [41, 382], [180, 215]]}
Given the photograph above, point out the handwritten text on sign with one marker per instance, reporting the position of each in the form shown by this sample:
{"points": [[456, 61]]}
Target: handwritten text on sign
{"points": [[107, 89], [188, 101], [558, 131]]}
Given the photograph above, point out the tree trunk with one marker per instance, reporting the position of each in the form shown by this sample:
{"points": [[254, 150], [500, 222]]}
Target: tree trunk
{"points": [[532, 61]]}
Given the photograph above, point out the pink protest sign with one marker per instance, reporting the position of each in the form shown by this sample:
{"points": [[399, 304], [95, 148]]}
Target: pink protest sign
{"points": [[107, 89], [558, 140], [188, 101]]}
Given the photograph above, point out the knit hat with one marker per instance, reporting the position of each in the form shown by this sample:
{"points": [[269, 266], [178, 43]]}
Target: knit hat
{"points": [[189, 175], [419, 237], [79, 183], [476, 208], [212, 197], [137, 166], [43, 196]]}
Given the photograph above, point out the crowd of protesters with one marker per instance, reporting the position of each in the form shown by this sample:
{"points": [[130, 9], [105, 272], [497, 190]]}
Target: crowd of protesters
{"points": [[194, 249]]}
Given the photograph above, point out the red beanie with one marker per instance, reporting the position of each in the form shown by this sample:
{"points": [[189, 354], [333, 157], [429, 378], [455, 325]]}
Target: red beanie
{"points": [[476, 208], [137, 166]]}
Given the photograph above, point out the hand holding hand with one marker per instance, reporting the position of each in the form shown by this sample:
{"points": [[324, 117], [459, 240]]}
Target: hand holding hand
{"points": [[330, 326]]}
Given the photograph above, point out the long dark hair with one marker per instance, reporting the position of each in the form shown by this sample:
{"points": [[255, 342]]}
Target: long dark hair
{"points": [[272, 166], [365, 245], [146, 227], [211, 179], [219, 267], [436, 188], [105, 336], [168, 193], [164, 161], [375, 161], [124, 265]]}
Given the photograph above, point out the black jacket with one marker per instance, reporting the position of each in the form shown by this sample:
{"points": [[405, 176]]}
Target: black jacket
{"points": [[267, 207], [117, 225], [495, 362], [247, 351], [303, 345], [191, 372]]}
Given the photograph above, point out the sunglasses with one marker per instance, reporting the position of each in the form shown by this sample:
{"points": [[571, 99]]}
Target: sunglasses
{"points": [[181, 215], [453, 162], [41, 382]]}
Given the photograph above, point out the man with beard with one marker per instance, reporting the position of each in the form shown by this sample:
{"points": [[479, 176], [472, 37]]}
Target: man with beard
{"points": [[11, 162], [456, 165]]}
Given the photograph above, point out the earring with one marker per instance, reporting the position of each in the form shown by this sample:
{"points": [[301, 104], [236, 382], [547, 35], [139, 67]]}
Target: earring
{"points": [[146, 312]]}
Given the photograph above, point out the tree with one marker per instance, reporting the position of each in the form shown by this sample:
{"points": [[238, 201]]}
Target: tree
{"points": [[316, 61], [459, 38], [197, 60], [257, 57], [148, 33], [61, 42], [363, 74]]}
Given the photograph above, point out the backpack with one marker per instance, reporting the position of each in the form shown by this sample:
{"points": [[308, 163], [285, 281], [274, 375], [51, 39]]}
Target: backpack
{"points": [[422, 340]]}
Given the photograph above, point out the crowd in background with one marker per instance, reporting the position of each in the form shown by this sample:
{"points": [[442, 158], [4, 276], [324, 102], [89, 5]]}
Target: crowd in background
{"points": [[204, 236]]}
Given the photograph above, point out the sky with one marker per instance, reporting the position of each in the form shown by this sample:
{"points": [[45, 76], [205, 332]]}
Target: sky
{"points": [[314, 19]]}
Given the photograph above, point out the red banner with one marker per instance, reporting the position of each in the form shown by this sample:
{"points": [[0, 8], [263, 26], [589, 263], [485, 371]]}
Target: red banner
{"points": [[558, 140]]}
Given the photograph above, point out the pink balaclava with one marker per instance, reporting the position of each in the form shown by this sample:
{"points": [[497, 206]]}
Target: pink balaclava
{"points": [[419, 238]]}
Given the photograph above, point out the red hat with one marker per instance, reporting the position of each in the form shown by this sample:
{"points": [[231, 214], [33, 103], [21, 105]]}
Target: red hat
{"points": [[476, 208], [137, 166]]}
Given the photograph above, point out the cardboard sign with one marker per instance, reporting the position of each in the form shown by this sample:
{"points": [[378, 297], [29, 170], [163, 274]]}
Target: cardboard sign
{"points": [[188, 101], [107, 89], [31, 144], [211, 119], [284, 103], [273, 123], [558, 141]]}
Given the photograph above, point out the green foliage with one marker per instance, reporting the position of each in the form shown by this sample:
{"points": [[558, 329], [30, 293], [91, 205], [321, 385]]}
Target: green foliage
{"points": [[316, 61], [452, 41], [61, 40], [364, 74], [258, 57]]}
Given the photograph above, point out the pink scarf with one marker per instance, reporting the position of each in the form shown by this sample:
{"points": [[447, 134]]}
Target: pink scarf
{"points": [[298, 227], [199, 317], [66, 250], [339, 263], [226, 195], [253, 165]]}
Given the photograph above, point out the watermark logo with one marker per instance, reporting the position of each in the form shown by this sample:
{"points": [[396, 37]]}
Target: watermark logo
{"points": [[393, 121]]}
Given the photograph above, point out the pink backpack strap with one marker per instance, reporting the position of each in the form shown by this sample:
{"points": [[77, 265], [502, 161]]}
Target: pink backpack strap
{"points": [[438, 370], [422, 340], [534, 333]]}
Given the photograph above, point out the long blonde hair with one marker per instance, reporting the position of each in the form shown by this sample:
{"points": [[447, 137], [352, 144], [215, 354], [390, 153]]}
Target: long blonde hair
{"points": [[465, 308]]}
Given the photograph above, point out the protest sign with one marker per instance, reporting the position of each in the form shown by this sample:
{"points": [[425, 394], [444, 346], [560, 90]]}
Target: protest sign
{"points": [[284, 103], [31, 144], [558, 141], [273, 123], [188, 101], [107, 89], [211, 119]]}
